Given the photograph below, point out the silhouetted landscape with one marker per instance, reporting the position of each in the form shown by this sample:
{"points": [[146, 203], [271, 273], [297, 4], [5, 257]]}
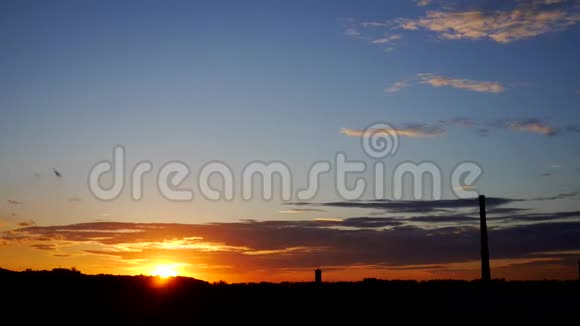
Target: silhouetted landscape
{"points": [[56, 294]]}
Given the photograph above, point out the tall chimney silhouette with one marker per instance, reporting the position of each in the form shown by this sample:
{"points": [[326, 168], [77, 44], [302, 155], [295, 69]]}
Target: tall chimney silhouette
{"points": [[485, 273], [317, 276]]}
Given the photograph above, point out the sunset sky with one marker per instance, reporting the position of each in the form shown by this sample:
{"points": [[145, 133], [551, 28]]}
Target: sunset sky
{"points": [[495, 83]]}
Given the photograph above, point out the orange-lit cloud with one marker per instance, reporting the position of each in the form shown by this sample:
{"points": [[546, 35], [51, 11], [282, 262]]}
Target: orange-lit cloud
{"points": [[461, 83], [349, 248], [411, 130], [302, 210], [26, 223], [534, 126], [441, 127], [524, 21], [334, 220], [436, 80]]}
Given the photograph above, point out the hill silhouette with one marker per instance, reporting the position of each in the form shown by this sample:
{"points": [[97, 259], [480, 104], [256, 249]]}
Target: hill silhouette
{"points": [[69, 296]]}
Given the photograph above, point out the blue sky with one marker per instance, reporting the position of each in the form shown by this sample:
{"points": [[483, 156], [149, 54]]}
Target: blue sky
{"points": [[236, 82]]}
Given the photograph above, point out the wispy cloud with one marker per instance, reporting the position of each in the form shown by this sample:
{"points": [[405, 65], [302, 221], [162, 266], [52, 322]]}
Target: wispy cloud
{"points": [[26, 223], [463, 122], [465, 187], [386, 39], [373, 24], [537, 126], [526, 20], [423, 3], [302, 210], [397, 86], [437, 80], [551, 167], [14, 202], [417, 130], [528, 125], [351, 31], [564, 195], [41, 246], [441, 128], [461, 83], [412, 206], [372, 32]]}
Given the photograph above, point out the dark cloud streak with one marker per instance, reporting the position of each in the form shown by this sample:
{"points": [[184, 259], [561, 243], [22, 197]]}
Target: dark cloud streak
{"points": [[365, 240], [416, 206]]}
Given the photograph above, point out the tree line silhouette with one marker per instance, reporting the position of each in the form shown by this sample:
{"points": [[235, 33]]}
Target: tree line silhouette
{"points": [[65, 295]]}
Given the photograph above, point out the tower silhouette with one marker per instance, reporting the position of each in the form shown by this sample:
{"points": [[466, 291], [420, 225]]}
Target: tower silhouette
{"points": [[485, 272], [317, 276]]}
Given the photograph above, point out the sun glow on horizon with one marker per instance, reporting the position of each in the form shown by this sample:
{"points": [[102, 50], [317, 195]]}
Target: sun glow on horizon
{"points": [[165, 270]]}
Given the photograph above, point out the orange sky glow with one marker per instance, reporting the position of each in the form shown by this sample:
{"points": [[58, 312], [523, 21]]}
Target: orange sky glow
{"points": [[171, 250]]}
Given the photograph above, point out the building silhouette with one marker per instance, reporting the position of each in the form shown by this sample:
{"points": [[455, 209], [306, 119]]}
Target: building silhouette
{"points": [[318, 276]]}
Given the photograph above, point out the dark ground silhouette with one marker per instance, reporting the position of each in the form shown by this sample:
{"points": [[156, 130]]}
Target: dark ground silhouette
{"points": [[65, 296]]}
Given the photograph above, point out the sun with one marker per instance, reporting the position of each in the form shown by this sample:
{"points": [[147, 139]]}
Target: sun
{"points": [[165, 271]]}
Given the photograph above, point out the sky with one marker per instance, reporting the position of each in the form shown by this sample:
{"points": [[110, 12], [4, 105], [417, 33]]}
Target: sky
{"points": [[491, 83]]}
